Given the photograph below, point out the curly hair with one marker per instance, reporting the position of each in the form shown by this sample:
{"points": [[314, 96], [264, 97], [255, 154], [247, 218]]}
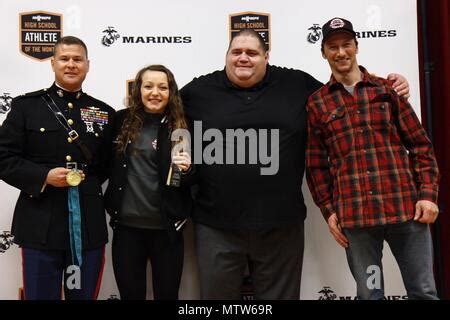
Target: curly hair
{"points": [[134, 120]]}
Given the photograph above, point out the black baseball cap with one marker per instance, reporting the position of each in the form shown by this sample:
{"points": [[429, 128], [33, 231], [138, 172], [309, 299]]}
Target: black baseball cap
{"points": [[337, 25]]}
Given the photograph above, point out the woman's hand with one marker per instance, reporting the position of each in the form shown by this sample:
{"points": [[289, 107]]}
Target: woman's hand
{"points": [[182, 160]]}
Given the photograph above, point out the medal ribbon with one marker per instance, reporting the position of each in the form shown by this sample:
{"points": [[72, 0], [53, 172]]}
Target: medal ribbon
{"points": [[75, 226]]}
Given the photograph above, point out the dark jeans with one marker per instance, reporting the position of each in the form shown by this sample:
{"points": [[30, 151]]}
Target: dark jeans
{"points": [[43, 274], [274, 257], [131, 250], [411, 245]]}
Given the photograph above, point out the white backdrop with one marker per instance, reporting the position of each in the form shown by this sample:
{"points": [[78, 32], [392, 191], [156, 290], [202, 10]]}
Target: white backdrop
{"points": [[207, 25]]}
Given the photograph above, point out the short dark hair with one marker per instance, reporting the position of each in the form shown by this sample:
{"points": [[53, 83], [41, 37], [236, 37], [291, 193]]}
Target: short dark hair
{"points": [[71, 40], [252, 33]]}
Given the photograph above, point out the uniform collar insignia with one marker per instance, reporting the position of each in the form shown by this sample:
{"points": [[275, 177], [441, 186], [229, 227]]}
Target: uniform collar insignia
{"points": [[64, 93]]}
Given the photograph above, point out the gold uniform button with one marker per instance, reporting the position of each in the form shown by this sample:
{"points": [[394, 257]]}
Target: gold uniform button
{"points": [[69, 140], [70, 105], [68, 158], [70, 121], [96, 134], [42, 129]]}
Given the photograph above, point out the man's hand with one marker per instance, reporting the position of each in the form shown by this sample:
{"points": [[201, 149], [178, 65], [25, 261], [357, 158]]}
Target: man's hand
{"points": [[400, 85], [336, 230], [57, 177], [426, 211]]}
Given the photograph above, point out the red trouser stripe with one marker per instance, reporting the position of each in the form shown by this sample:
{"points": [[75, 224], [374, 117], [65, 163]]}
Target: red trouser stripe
{"points": [[100, 275], [23, 278]]}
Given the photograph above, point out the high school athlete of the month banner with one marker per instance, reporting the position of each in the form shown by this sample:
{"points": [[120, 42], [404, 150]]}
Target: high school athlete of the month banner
{"points": [[191, 38]]}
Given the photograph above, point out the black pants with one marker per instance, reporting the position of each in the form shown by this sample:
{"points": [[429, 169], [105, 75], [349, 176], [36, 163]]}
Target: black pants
{"points": [[274, 257], [131, 250]]}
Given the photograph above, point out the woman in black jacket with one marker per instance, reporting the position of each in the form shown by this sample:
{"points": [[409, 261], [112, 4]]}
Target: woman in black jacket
{"points": [[148, 196]]}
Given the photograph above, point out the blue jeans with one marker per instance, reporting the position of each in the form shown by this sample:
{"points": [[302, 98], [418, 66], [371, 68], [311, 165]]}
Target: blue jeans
{"points": [[411, 245]]}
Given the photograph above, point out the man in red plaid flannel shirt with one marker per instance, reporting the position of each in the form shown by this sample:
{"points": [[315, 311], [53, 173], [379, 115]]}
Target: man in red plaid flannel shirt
{"points": [[371, 170]]}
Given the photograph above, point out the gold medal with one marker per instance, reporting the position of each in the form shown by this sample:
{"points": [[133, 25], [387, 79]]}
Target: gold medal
{"points": [[73, 178]]}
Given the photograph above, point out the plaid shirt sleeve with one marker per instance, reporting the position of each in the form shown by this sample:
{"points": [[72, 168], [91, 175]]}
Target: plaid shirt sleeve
{"points": [[318, 173], [421, 154]]}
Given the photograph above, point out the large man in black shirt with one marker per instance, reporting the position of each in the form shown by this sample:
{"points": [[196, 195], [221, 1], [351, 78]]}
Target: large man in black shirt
{"points": [[249, 212]]}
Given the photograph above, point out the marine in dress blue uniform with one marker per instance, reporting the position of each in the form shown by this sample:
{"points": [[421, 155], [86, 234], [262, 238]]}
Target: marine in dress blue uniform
{"points": [[34, 151]]}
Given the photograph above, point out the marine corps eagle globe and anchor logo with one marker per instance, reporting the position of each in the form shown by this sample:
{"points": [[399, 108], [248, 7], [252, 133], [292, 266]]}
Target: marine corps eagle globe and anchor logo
{"points": [[111, 35], [5, 103], [6, 240], [327, 294], [315, 34]]}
